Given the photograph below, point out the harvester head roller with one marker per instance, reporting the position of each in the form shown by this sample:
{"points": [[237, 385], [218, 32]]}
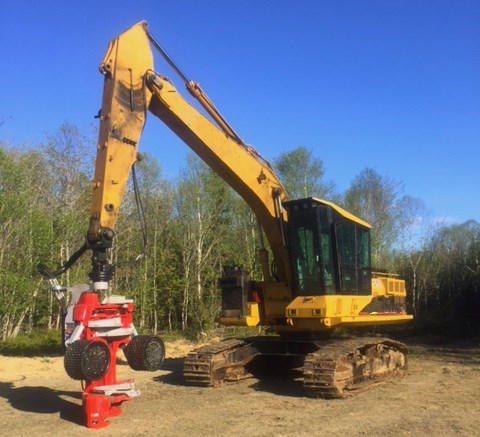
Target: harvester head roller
{"points": [[87, 360], [145, 352]]}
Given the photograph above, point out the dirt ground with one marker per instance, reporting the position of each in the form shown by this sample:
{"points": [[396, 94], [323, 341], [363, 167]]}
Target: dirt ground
{"points": [[440, 395]]}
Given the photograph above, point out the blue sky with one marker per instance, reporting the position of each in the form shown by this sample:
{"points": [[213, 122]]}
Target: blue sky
{"points": [[394, 85]]}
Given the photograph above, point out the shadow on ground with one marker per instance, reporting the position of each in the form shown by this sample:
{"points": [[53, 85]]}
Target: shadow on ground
{"points": [[43, 400], [277, 375], [267, 377], [465, 352], [280, 386], [175, 367]]}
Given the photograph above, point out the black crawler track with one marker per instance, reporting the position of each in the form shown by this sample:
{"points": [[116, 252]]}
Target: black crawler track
{"points": [[213, 364], [334, 368], [340, 367]]}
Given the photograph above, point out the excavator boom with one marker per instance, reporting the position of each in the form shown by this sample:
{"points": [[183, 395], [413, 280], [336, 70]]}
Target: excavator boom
{"points": [[131, 87], [235, 163], [322, 253]]}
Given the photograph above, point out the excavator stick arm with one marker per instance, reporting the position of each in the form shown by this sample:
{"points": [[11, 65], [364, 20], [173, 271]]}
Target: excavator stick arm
{"points": [[122, 117]]}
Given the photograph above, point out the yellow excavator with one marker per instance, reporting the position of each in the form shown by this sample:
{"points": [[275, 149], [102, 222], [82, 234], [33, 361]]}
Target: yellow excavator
{"points": [[320, 276]]}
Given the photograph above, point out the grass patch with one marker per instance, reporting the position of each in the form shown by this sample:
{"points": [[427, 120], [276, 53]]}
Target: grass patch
{"points": [[36, 344], [172, 335], [165, 335], [48, 343]]}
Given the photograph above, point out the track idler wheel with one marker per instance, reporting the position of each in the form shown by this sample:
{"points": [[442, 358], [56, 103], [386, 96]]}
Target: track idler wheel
{"points": [[145, 352], [87, 360]]}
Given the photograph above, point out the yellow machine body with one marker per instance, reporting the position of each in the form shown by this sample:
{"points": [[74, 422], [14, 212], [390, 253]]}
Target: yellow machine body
{"points": [[131, 89]]}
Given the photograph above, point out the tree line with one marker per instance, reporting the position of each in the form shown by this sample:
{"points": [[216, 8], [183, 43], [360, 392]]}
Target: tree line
{"points": [[196, 225]]}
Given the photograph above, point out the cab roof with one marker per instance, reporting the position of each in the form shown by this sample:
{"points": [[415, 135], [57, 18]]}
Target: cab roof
{"points": [[337, 208]]}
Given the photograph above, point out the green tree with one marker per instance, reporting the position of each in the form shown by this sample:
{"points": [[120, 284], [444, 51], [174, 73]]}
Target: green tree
{"points": [[203, 208], [24, 236], [68, 156], [447, 275], [379, 200], [303, 175], [153, 281]]}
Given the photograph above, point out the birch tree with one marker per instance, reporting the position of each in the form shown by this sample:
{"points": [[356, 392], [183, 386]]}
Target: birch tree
{"points": [[378, 200], [203, 203], [303, 175]]}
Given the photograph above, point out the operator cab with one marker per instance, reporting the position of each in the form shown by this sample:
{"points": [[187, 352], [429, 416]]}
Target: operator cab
{"points": [[330, 249]]}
